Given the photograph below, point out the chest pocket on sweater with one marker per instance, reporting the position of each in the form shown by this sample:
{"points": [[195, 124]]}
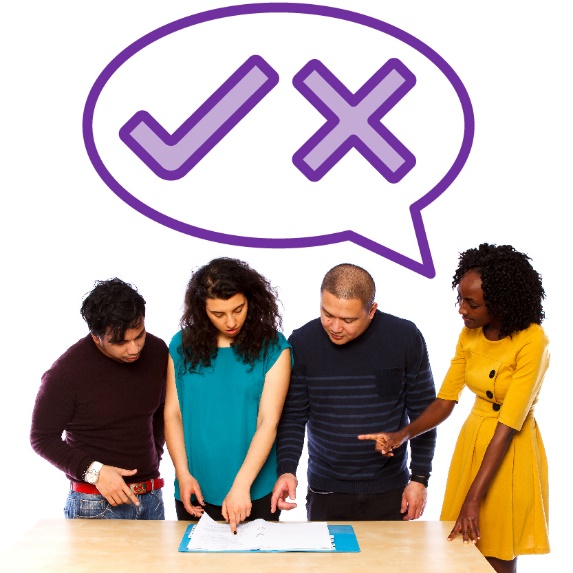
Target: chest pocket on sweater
{"points": [[390, 382]]}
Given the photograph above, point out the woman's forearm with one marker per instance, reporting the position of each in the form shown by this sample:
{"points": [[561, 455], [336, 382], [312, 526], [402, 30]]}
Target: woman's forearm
{"points": [[176, 444], [257, 455], [492, 459], [431, 417], [270, 408], [174, 436]]}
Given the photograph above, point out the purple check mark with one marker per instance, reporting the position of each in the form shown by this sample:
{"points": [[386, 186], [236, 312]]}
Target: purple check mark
{"points": [[172, 156], [353, 120]]}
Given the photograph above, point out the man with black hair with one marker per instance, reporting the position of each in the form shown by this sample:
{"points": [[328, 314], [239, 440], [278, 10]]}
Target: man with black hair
{"points": [[107, 393]]}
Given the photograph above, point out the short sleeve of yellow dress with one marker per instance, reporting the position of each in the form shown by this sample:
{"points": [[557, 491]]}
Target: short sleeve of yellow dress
{"points": [[506, 376]]}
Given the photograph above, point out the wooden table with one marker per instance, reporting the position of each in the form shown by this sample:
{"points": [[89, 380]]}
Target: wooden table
{"points": [[99, 546]]}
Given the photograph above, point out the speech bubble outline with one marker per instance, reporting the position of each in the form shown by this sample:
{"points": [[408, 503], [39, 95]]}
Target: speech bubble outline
{"points": [[424, 268]]}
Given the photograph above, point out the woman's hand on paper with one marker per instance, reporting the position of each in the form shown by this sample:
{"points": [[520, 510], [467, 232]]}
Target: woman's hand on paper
{"points": [[236, 506]]}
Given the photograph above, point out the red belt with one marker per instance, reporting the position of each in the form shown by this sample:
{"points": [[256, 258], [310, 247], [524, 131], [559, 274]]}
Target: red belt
{"points": [[138, 488]]}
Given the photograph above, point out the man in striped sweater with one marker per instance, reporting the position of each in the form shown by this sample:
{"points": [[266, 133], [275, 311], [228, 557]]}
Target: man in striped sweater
{"points": [[357, 371]]}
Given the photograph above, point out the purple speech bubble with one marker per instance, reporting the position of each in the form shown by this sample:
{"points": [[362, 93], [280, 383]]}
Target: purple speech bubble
{"points": [[425, 267]]}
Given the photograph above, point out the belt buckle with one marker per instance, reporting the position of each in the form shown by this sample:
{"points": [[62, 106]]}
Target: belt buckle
{"points": [[138, 488]]}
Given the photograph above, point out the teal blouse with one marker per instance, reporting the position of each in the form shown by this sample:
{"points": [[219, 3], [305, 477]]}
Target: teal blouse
{"points": [[219, 406]]}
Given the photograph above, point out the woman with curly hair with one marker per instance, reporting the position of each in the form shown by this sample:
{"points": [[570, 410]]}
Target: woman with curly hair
{"points": [[227, 380], [497, 488]]}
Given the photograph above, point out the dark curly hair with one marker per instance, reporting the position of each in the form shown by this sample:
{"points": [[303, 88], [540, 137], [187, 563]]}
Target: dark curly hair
{"points": [[223, 278], [512, 289], [114, 305]]}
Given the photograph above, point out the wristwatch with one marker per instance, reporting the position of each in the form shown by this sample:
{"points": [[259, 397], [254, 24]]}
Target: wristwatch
{"points": [[420, 479], [92, 473]]}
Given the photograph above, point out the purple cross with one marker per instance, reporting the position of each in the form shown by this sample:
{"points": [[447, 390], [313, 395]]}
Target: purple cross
{"points": [[353, 120]]}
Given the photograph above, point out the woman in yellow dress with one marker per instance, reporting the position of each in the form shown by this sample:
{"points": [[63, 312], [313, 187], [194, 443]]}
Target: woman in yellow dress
{"points": [[497, 488]]}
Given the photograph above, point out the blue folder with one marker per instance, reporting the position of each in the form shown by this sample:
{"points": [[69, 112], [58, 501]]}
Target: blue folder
{"points": [[343, 540]]}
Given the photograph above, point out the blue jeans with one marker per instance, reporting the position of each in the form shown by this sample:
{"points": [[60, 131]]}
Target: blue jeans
{"points": [[90, 506]]}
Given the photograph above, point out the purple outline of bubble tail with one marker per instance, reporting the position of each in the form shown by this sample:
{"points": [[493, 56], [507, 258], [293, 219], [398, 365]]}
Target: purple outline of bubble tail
{"points": [[425, 267], [393, 160], [172, 156]]}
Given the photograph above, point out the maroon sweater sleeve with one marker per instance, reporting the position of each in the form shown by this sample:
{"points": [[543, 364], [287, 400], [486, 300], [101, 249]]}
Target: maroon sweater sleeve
{"points": [[53, 410], [90, 407], [159, 426]]}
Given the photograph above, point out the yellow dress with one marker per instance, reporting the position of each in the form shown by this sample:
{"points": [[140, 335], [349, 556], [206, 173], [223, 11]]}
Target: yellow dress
{"points": [[505, 376]]}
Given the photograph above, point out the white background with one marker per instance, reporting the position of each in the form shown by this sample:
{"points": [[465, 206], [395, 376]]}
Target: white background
{"points": [[62, 228]]}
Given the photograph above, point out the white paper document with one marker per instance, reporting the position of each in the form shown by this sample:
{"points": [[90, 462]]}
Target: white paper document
{"points": [[260, 535]]}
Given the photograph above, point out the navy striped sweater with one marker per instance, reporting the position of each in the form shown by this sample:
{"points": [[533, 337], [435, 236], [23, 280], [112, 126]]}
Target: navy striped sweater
{"points": [[376, 382]]}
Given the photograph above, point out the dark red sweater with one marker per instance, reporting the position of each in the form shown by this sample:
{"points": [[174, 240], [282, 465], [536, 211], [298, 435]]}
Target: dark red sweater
{"points": [[110, 411]]}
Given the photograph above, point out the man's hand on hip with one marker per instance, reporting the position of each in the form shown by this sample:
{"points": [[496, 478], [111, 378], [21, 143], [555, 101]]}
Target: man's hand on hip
{"points": [[113, 487]]}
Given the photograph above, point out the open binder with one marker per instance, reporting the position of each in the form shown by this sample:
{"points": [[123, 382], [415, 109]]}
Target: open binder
{"points": [[342, 540]]}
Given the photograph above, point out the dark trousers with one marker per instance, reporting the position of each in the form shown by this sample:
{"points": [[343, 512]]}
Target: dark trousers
{"points": [[261, 510], [354, 507]]}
